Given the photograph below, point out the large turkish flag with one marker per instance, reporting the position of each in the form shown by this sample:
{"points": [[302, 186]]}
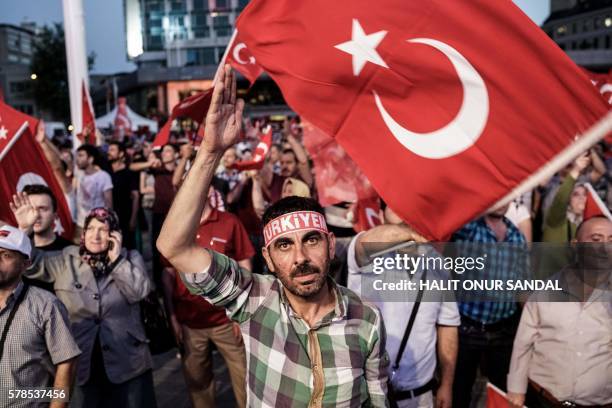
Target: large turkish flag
{"points": [[241, 59], [22, 162], [447, 106]]}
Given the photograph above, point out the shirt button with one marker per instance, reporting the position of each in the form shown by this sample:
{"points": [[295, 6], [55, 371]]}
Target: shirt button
{"points": [[78, 285], [105, 347], [96, 296]]}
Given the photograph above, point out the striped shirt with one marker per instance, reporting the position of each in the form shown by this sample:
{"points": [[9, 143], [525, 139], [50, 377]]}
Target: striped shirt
{"points": [[38, 339], [505, 260], [339, 362]]}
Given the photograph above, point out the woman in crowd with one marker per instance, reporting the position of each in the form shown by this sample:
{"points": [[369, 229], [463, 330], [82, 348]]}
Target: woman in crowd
{"points": [[100, 283]]}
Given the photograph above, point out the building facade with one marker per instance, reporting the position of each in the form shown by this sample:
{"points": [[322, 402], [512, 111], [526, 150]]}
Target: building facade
{"points": [[16, 48], [583, 29]]}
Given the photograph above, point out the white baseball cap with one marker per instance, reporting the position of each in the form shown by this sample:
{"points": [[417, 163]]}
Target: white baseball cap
{"points": [[15, 240]]}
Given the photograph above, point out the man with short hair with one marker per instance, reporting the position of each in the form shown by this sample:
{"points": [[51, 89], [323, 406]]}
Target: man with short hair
{"points": [[94, 186], [126, 193], [562, 351], [309, 341], [39, 350], [45, 204]]}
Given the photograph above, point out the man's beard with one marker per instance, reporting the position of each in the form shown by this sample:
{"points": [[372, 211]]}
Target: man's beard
{"points": [[6, 280], [309, 288]]}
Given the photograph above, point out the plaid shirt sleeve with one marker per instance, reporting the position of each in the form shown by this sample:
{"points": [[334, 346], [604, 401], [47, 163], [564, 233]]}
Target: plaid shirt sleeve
{"points": [[225, 284], [377, 364]]}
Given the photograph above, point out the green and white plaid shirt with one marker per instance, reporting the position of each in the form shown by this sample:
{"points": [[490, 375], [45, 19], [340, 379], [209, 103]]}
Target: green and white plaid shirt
{"points": [[285, 357]]}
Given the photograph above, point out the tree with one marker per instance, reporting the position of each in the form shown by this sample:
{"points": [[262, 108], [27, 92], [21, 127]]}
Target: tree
{"points": [[50, 89]]}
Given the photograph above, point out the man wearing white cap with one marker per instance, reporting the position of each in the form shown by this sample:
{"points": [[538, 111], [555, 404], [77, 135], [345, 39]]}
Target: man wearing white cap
{"points": [[37, 349]]}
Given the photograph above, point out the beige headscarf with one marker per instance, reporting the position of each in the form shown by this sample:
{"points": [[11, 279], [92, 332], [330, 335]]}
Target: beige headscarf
{"points": [[298, 187]]}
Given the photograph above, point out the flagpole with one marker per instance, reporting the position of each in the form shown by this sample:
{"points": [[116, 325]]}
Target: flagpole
{"points": [[593, 135], [224, 58], [14, 140]]}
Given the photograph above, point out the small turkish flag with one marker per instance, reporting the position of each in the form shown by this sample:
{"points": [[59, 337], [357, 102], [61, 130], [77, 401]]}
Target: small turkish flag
{"points": [[123, 124], [496, 398], [367, 214], [443, 124], [89, 121], [241, 59], [262, 149], [194, 107], [594, 205], [22, 162]]}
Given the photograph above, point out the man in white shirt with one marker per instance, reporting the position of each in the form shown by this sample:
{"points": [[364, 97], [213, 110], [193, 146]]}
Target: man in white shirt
{"points": [[434, 329], [94, 186], [562, 354]]}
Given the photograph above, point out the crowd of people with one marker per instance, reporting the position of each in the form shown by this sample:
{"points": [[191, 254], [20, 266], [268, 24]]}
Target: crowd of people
{"points": [[248, 263]]}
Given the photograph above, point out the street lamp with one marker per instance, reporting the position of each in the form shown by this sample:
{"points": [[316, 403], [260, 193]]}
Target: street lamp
{"points": [[34, 76]]}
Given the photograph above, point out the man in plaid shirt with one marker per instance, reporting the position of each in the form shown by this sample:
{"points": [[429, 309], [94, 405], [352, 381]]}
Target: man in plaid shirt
{"points": [[310, 342]]}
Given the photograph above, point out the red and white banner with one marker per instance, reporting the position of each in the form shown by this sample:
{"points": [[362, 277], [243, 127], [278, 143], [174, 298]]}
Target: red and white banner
{"points": [[441, 122], [338, 179], [241, 59], [294, 222], [89, 121], [22, 162], [603, 83], [194, 107], [594, 205], [262, 149]]}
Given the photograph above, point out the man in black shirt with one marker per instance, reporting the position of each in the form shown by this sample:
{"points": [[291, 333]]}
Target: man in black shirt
{"points": [[45, 237], [126, 195]]}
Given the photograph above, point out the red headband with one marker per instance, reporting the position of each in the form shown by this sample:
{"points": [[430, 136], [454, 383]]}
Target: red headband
{"points": [[293, 222]]}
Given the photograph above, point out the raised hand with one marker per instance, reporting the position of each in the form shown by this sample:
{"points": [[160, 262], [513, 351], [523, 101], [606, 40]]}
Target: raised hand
{"points": [[224, 118], [24, 211]]}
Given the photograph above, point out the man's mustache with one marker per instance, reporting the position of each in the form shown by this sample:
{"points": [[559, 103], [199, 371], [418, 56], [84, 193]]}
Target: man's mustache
{"points": [[304, 269]]}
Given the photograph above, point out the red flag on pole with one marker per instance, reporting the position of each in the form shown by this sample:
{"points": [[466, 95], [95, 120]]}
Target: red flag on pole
{"points": [[194, 107], [368, 214], [22, 162], [421, 98], [496, 398], [89, 121], [262, 149], [241, 59], [594, 205]]}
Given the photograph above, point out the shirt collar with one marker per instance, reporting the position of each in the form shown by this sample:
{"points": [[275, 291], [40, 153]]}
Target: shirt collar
{"points": [[15, 294], [213, 216], [340, 308]]}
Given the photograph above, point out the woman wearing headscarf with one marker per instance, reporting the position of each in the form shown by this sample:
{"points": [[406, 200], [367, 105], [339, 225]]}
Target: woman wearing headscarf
{"points": [[101, 284]]}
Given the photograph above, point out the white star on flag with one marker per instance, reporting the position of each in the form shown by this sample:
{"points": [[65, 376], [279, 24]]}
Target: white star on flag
{"points": [[363, 47], [3, 132]]}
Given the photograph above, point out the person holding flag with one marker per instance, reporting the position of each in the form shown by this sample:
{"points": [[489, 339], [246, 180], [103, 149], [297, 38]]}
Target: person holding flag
{"points": [[308, 340]]}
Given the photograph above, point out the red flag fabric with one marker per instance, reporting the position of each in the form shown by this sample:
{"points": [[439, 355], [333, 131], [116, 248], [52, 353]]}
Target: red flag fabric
{"points": [[442, 123], [241, 59], [194, 107], [123, 124], [496, 398], [338, 179], [22, 162], [594, 205], [89, 121], [262, 149], [367, 214]]}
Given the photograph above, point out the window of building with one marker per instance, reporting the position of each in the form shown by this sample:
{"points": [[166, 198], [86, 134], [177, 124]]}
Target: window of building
{"points": [[178, 5], [14, 42], [27, 109], [607, 46], [13, 58], [222, 26], [608, 21], [154, 5], [201, 56], [200, 5], [155, 43], [242, 4], [561, 30], [20, 87], [221, 5]]}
